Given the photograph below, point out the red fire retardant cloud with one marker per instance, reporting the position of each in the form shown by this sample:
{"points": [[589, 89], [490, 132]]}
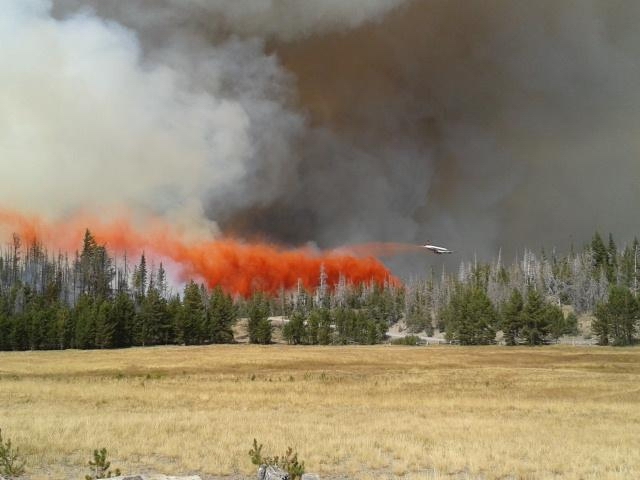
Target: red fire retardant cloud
{"points": [[239, 267]]}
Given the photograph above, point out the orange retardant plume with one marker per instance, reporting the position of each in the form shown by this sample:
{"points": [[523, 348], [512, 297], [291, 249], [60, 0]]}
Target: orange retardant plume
{"points": [[240, 268], [381, 249]]}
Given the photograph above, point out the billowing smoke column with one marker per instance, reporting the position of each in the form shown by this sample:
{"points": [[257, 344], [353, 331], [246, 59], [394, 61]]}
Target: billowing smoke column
{"points": [[467, 123]]}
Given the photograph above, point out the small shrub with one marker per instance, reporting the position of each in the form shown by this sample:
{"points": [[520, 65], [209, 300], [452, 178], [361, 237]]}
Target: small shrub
{"points": [[10, 463], [256, 453], [412, 340], [100, 466], [287, 462]]}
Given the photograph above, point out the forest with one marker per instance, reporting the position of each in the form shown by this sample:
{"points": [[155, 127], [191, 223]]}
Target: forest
{"points": [[95, 300]]}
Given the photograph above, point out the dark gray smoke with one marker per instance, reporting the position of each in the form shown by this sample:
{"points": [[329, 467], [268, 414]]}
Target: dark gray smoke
{"points": [[476, 124], [472, 123]]}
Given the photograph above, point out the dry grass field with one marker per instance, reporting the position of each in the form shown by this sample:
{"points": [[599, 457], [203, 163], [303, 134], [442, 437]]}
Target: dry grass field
{"points": [[351, 412]]}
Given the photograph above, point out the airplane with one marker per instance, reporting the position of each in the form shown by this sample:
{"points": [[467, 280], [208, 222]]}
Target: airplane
{"points": [[438, 250]]}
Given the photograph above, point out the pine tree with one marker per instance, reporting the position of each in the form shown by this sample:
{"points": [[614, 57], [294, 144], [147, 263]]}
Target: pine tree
{"points": [[84, 320], [470, 317], [152, 321], [96, 269], [193, 314], [601, 324], [222, 316], [612, 260], [536, 324], [556, 320], [617, 319], [140, 280], [294, 331], [122, 317], [174, 308], [600, 254], [259, 326], [313, 326], [324, 327], [105, 327], [512, 321]]}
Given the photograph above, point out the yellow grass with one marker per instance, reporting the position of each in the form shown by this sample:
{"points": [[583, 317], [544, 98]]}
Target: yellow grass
{"points": [[351, 412]]}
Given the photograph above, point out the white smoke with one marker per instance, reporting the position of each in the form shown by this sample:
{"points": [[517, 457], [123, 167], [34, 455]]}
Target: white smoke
{"points": [[88, 123]]}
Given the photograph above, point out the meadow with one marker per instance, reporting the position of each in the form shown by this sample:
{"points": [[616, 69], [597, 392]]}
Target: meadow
{"points": [[350, 412]]}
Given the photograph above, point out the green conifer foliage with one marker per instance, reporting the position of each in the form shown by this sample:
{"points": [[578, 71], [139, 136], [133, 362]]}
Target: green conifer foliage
{"points": [[617, 319], [193, 314], [259, 326], [470, 317], [512, 320], [294, 331], [536, 321], [222, 316]]}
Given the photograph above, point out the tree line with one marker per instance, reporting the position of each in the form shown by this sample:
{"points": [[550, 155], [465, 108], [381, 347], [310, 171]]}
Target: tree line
{"points": [[522, 303], [94, 300]]}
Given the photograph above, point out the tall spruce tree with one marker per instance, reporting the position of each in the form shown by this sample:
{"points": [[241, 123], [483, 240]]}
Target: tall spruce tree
{"points": [[536, 322], [221, 316], [617, 319], [294, 331], [512, 320], [470, 317], [193, 314], [122, 318], [259, 326]]}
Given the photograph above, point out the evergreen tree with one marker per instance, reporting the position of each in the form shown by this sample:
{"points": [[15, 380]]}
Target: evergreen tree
{"points": [[470, 317], [343, 320], [512, 319], [5, 331], [140, 280], [176, 317], [104, 326], [19, 335], [222, 316], [84, 320], [617, 319], [294, 331], [313, 326], [600, 254], [193, 314], [601, 324], [612, 260], [557, 322], [152, 322], [122, 317], [96, 269], [259, 326], [571, 324], [325, 332], [536, 322]]}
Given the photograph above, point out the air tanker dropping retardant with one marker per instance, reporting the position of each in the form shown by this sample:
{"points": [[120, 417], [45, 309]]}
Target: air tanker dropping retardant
{"points": [[436, 249]]}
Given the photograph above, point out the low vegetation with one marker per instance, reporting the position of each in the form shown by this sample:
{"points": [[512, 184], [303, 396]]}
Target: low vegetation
{"points": [[358, 412], [11, 463], [287, 462], [100, 467]]}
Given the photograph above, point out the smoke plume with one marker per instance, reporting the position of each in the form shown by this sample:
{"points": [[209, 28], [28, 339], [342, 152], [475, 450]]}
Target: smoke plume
{"points": [[474, 124]]}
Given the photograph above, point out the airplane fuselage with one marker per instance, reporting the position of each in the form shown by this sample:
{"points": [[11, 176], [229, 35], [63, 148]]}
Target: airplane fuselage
{"points": [[436, 249]]}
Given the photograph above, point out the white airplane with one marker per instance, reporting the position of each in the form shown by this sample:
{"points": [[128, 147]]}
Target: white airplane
{"points": [[438, 250]]}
